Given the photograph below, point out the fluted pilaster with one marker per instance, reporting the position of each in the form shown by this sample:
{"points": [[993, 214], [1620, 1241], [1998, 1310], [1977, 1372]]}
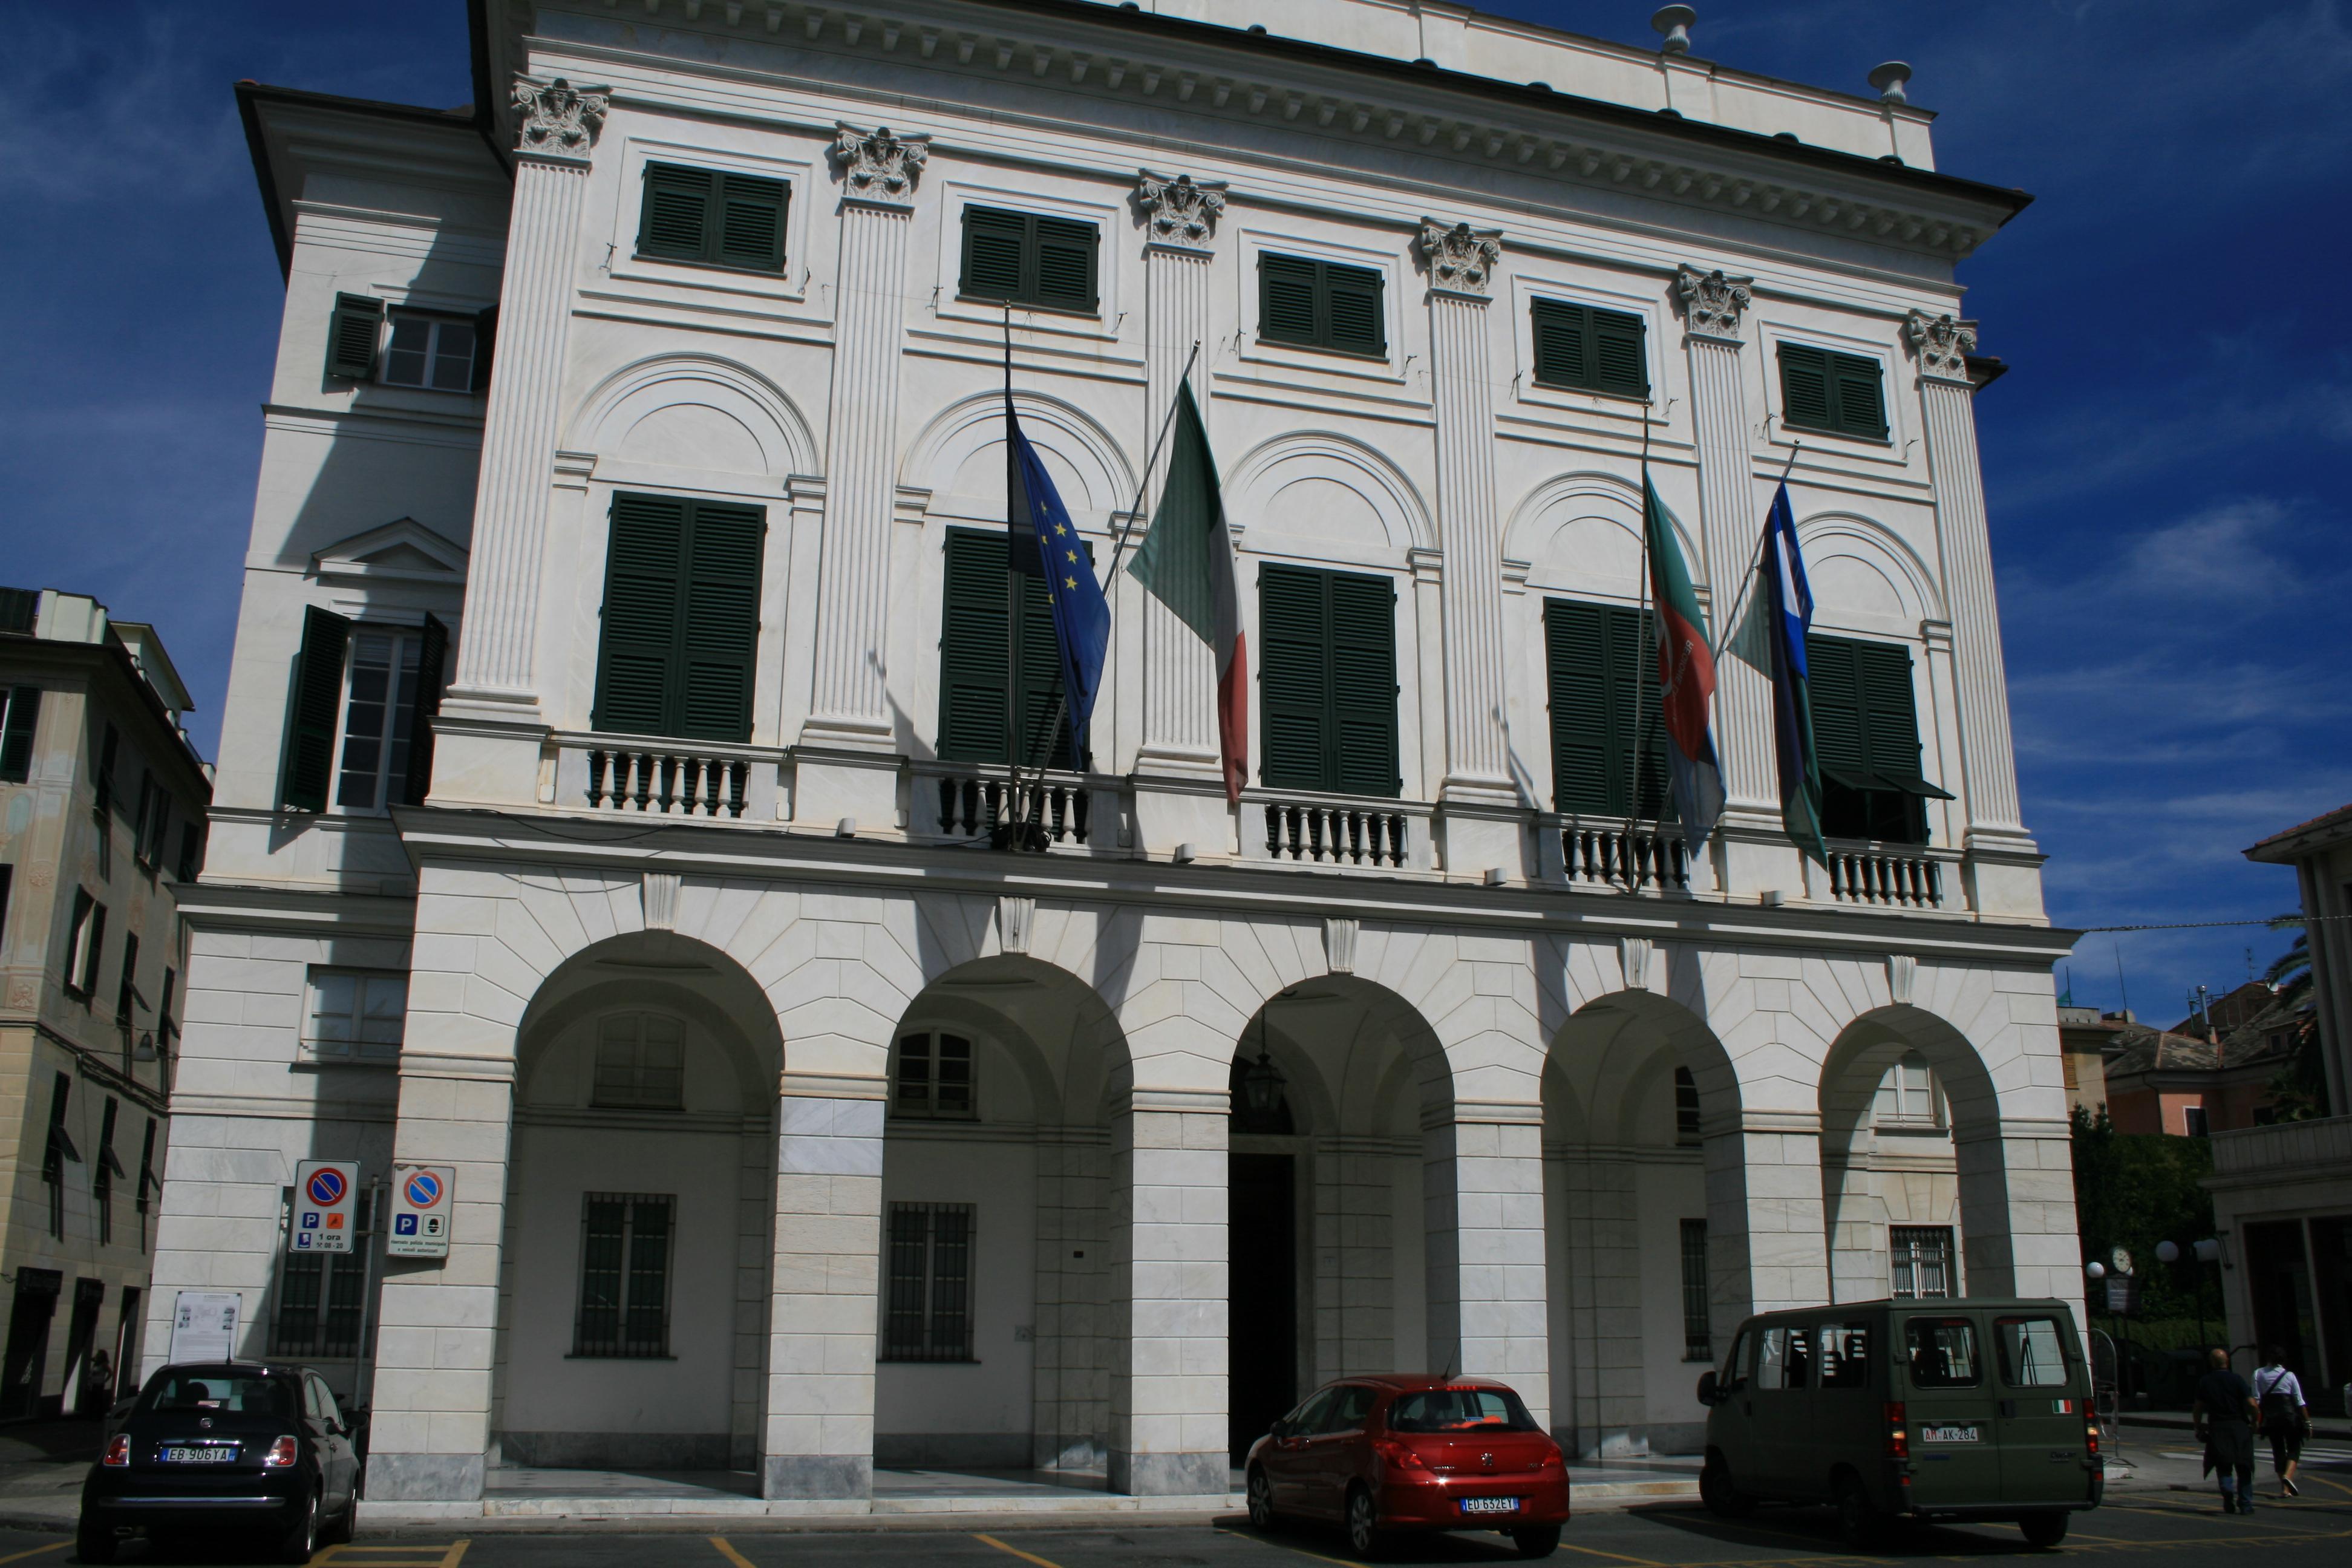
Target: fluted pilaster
{"points": [[1461, 263]]}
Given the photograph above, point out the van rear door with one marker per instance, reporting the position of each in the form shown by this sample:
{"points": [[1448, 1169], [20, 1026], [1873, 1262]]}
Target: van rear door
{"points": [[1949, 1406], [2040, 1414]]}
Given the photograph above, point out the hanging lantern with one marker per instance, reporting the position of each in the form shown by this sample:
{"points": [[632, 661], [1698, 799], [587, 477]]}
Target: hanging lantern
{"points": [[1262, 1086]]}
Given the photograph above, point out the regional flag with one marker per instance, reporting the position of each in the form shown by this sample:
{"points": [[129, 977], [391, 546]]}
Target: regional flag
{"points": [[1186, 561], [1044, 543], [1686, 675], [1772, 638]]}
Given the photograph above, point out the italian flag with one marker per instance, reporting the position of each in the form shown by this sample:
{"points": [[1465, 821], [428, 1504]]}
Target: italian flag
{"points": [[1686, 675], [1186, 561]]}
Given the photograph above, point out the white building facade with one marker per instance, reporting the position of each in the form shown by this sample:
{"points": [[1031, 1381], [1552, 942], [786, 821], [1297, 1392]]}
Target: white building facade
{"points": [[795, 1126]]}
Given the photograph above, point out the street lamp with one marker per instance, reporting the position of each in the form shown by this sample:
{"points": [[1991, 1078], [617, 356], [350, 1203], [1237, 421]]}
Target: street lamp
{"points": [[2167, 1252]]}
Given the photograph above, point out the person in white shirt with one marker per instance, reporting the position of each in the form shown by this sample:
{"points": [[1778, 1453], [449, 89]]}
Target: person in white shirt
{"points": [[2285, 1417]]}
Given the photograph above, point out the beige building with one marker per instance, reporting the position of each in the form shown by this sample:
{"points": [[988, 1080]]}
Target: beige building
{"points": [[102, 803]]}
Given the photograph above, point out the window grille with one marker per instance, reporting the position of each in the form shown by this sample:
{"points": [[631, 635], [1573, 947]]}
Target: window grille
{"points": [[929, 1306], [625, 1264], [1699, 1336], [319, 1293], [1921, 1260]]}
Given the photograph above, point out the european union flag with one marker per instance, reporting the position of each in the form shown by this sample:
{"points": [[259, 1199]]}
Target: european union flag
{"points": [[1044, 543]]}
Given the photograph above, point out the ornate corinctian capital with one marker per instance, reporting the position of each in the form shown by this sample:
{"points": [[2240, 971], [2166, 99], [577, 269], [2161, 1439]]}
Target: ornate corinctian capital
{"points": [[559, 117], [1179, 211], [1942, 344], [1713, 303], [1460, 258], [879, 165]]}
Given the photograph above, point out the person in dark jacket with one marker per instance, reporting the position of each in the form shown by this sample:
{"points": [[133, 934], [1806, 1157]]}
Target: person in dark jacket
{"points": [[2224, 1411]]}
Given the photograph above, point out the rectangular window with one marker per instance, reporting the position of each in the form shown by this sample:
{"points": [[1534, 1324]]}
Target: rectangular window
{"points": [[640, 1063], [935, 1077], [191, 850], [1822, 389], [984, 716], [356, 1015], [379, 708], [713, 216], [2192, 1120], [1866, 732], [126, 994], [83, 940], [1029, 259], [57, 1153], [1588, 349], [19, 726], [624, 1248], [319, 1296], [1595, 654], [681, 618], [1943, 1352], [1321, 305], [1328, 684], [1920, 1262], [1699, 1336], [1842, 1352], [1785, 1360], [108, 1168], [164, 1028], [930, 1305], [431, 352], [2032, 1352], [1907, 1093], [1686, 1108], [357, 717], [20, 611], [148, 1184]]}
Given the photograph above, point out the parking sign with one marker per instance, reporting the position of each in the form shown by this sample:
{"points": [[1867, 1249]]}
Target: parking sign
{"points": [[422, 1199], [325, 1206]]}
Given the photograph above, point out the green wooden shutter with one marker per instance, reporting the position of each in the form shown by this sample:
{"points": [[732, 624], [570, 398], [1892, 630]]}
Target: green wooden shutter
{"points": [[1563, 350], [643, 592], [16, 735], [1855, 389], [1352, 309], [1834, 685], [995, 243], [751, 228], [1890, 721], [1294, 677], [351, 337], [1363, 685], [1805, 387], [1576, 653], [1635, 719], [432, 656], [486, 341], [973, 701], [719, 646], [1066, 263], [675, 219], [1618, 363], [1286, 298], [311, 707]]}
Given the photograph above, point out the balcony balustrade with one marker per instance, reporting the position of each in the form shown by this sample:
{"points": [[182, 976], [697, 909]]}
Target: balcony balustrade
{"points": [[1609, 852], [1881, 876], [1067, 810], [702, 780], [1338, 831]]}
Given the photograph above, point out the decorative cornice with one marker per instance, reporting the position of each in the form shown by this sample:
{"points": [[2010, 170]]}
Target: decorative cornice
{"points": [[559, 119], [1942, 344], [1713, 303], [1461, 259], [881, 166], [1179, 211]]}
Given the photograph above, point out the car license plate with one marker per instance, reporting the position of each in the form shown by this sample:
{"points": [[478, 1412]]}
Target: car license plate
{"points": [[1490, 1505], [198, 1455], [1950, 1434]]}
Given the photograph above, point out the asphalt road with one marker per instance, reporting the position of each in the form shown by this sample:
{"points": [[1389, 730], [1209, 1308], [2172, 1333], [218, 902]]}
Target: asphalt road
{"points": [[2176, 1529]]}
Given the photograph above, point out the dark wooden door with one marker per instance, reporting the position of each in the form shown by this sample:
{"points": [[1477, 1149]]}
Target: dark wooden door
{"points": [[29, 1339], [1261, 1320]]}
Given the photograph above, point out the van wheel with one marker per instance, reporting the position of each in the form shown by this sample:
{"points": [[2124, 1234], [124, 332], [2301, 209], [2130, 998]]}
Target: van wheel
{"points": [[2043, 1530], [1537, 1540], [1714, 1489], [1859, 1521], [1365, 1536]]}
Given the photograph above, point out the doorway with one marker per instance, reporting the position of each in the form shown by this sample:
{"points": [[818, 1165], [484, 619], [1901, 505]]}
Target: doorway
{"points": [[81, 1334], [126, 1348], [1262, 1316], [29, 1339]]}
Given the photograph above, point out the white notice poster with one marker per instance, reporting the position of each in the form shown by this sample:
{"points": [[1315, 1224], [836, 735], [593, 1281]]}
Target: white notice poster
{"points": [[204, 1325]]}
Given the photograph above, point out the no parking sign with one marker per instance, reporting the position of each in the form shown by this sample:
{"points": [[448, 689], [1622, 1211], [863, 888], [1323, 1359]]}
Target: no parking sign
{"points": [[323, 1207], [422, 1198]]}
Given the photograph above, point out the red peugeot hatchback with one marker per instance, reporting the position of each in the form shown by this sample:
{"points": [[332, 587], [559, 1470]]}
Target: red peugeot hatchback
{"points": [[1410, 1452]]}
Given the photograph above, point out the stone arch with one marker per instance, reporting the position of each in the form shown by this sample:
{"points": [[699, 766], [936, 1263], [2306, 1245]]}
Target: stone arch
{"points": [[1351, 502], [1582, 532], [719, 415], [1092, 470], [1864, 576]]}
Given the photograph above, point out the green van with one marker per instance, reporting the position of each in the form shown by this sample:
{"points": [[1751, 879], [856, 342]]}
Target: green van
{"points": [[1965, 1409]]}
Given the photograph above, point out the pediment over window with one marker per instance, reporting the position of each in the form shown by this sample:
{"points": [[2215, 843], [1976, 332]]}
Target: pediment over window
{"points": [[401, 551]]}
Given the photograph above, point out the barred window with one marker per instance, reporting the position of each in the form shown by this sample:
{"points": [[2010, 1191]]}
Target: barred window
{"points": [[624, 1250], [319, 1292], [929, 1316], [1698, 1339], [640, 1063], [1921, 1265], [935, 1077]]}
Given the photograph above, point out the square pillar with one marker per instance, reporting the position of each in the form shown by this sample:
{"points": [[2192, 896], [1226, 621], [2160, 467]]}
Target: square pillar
{"points": [[1482, 1187], [1168, 1296], [1766, 1241]]}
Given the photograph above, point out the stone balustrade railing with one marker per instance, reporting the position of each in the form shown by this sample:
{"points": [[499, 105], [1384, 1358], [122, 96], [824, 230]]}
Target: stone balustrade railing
{"points": [[1063, 810], [632, 775], [1881, 876], [1609, 853], [1347, 832]]}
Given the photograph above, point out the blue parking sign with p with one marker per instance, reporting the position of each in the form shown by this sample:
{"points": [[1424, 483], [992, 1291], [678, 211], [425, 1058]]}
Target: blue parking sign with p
{"points": [[405, 1225]]}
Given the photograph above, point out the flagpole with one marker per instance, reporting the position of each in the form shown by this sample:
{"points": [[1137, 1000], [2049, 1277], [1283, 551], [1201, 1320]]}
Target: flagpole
{"points": [[1013, 813], [1649, 651], [1748, 578]]}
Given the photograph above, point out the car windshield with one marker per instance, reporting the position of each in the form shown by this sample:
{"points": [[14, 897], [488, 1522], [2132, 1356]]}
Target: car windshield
{"points": [[1460, 1410], [222, 1391]]}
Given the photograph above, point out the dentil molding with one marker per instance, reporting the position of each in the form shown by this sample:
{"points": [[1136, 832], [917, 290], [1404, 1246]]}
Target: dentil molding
{"points": [[1713, 303], [879, 165], [559, 117], [1181, 211], [1942, 343], [1461, 259]]}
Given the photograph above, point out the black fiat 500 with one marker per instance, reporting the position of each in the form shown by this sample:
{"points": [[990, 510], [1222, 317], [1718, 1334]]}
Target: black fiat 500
{"points": [[222, 1447]]}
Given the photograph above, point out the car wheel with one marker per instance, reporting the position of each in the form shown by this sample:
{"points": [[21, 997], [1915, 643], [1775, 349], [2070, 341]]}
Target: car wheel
{"points": [[338, 1530], [94, 1540], [301, 1542], [1261, 1502], [1722, 1499], [1365, 1536], [2043, 1530], [1537, 1540], [1858, 1520]]}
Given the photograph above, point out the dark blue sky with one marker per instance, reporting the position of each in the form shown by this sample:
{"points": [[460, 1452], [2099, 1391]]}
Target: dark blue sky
{"points": [[2164, 460]]}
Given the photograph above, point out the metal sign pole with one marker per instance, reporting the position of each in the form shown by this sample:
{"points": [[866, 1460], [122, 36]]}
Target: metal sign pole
{"points": [[364, 1360]]}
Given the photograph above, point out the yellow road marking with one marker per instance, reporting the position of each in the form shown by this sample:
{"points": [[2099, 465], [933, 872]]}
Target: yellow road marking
{"points": [[36, 1551], [419, 1555], [1619, 1556], [991, 1541], [728, 1552], [1286, 1546]]}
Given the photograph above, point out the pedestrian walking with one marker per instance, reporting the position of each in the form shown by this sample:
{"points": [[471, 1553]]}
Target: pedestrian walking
{"points": [[2286, 1419], [2225, 1412]]}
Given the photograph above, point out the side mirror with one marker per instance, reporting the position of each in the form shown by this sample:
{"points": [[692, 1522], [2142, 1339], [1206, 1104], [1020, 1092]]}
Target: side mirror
{"points": [[1706, 1391]]}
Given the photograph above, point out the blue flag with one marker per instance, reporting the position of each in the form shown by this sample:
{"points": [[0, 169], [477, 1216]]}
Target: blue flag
{"points": [[1044, 543], [1771, 636]]}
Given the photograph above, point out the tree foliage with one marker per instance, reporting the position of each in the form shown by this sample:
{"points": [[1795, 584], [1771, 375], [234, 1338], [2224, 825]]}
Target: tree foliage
{"points": [[2134, 1190]]}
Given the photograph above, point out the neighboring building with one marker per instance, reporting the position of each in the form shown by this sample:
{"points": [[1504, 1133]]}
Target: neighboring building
{"points": [[796, 1128], [102, 824], [2087, 1037], [2195, 1080], [2282, 1194]]}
